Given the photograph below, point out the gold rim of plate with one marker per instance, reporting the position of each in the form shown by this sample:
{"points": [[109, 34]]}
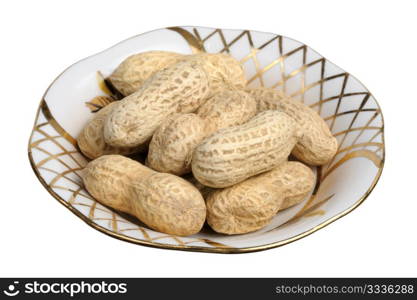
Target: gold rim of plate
{"points": [[197, 45]]}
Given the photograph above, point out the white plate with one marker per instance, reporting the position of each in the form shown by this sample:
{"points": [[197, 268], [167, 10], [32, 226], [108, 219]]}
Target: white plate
{"points": [[271, 60]]}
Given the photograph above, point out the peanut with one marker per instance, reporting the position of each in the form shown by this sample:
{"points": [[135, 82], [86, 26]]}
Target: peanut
{"points": [[251, 204], [298, 185], [134, 70], [221, 69], [164, 202], [233, 154], [317, 145], [91, 139], [109, 177], [173, 143], [227, 108], [266, 98], [204, 190], [182, 87]]}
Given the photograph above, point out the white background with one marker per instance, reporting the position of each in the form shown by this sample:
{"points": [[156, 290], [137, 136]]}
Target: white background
{"points": [[373, 40]]}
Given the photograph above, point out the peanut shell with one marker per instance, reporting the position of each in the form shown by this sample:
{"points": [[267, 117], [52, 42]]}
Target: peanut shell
{"points": [[317, 145], [91, 139], [236, 153], [181, 88], [251, 204], [137, 68]]}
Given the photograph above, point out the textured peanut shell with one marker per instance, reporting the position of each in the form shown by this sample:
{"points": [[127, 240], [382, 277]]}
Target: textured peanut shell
{"points": [[134, 70], [108, 179], [174, 141], [227, 108], [169, 204], [222, 70], [297, 183], [172, 144], [251, 204], [91, 139], [204, 190], [182, 87], [233, 154], [266, 98], [317, 146], [164, 202], [241, 208]]}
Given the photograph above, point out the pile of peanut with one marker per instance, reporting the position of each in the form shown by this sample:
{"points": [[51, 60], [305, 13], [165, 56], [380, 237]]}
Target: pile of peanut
{"points": [[195, 117]]}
